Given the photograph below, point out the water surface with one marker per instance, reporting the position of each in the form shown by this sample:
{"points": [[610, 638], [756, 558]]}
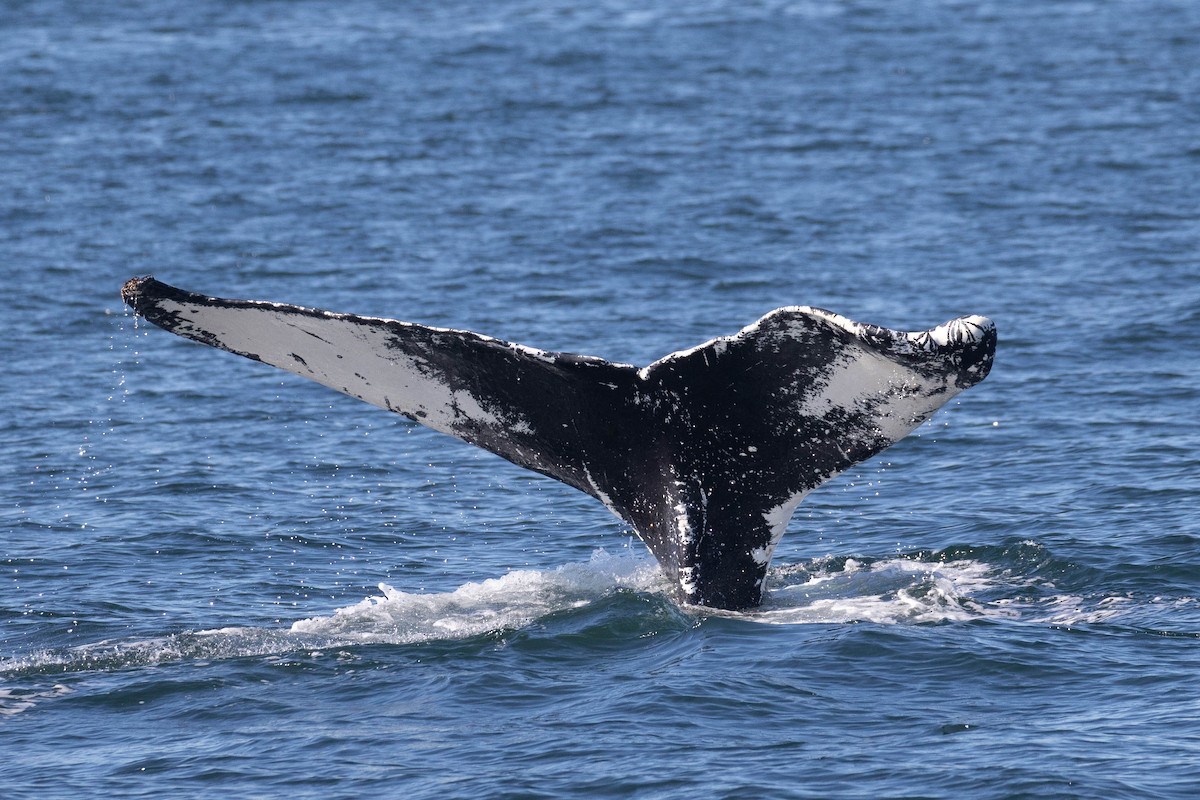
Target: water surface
{"points": [[219, 579]]}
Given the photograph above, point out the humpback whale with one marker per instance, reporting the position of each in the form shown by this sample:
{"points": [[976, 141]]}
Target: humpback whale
{"points": [[705, 453]]}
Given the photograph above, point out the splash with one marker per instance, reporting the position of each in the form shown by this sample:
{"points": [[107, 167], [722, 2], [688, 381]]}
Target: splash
{"points": [[492, 606], [888, 591], [512, 601], [966, 584]]}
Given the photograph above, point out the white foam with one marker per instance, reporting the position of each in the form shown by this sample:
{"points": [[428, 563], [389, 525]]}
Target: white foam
{"points": [[14, 701], [1068, 609], [890, 591], [896, 590], [506, 603], [512, 601]]}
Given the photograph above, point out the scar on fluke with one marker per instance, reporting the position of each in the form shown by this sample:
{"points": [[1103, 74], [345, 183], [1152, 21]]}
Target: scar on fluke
{"points": [[705, 453]]}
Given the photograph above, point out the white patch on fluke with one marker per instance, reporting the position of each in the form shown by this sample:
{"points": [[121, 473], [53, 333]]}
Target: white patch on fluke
{"points": [[897, 399], [777, 521], [600, 493], [682, 526], [345, 355]]}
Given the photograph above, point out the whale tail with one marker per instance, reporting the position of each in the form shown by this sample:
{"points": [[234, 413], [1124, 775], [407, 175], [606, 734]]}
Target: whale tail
{"points": [[705, 453]]}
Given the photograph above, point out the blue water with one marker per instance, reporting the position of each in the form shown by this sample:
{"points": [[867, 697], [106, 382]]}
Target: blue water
{"points": [[223, 581]]}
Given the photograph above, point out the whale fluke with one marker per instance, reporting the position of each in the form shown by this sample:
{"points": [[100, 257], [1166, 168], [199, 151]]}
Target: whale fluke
{"points": [[705, 453]]}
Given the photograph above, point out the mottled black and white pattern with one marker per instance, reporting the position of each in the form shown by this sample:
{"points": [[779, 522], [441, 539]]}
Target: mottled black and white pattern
{"points": [[705, 453]]}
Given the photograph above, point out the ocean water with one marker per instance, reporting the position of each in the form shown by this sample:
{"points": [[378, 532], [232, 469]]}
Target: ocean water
{"points": [[223, 581]]}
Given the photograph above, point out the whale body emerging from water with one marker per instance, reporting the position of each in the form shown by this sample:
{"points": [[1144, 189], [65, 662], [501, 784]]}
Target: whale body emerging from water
{"points": [[705, 453]]}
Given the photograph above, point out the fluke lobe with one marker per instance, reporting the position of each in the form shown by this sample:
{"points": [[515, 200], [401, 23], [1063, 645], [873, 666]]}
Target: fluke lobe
{"points": [[705, 453]]}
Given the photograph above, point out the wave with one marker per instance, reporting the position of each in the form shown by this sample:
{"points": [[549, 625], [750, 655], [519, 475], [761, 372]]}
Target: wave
{"points": [[512, 601], [962, 584], [887, 591], [489, 607]]}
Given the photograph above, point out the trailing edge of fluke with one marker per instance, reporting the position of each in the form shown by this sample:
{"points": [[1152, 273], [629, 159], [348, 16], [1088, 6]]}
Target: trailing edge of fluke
{"points": [[705, 453]]}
